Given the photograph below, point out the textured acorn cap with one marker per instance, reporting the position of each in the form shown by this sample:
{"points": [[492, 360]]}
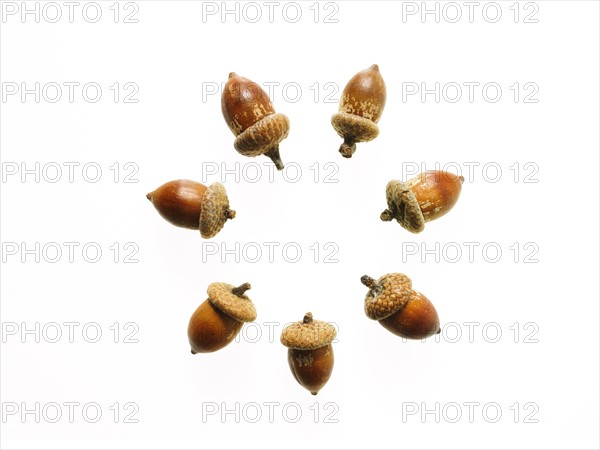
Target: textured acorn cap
{"points": [[232, 300], [214, 211], [403, 206], [357, 128], [308, 334], [263, 135], [386, 295]]}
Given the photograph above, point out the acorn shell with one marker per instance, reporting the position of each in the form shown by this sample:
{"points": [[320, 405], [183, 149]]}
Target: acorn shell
{"points": [[308, 336], [214, 211], [437, 192], [403, 206], [417, 319], [390, 293], [365, 95], [244, 103], [240, 307]]}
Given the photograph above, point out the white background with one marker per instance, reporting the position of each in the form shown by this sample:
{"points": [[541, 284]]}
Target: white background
{"points": [[174, 53]]}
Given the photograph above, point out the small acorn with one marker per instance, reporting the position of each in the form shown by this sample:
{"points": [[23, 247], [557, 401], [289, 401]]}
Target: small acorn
{"points": [[252, 119], [422, 199], [218, 320], [360, 109], [188, 204], [398, 308], [310, 354]]}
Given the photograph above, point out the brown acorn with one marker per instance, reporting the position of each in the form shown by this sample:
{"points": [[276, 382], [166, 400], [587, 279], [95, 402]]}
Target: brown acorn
{"points": [[252, 119], [360, 109], [398, 308], [310, 354], [218, 320], [422, 199], [188, 204]]}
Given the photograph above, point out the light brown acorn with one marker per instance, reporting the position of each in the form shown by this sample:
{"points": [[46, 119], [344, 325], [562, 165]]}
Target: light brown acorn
{"points": [[398, 308], [252, 119], [218, 320], [422, 199], [360, 109], [189, 204], [310, 354]]}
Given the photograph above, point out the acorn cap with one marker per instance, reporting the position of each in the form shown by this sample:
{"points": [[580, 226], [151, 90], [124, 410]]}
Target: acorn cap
{"points": [[232, 300], [264, 136], [214, 211], [386, 295], [308, 334], [403, 206]]}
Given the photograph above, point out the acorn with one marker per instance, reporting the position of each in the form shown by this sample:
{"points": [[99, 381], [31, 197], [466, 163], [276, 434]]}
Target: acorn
{"points": [[398, 308], [188, 204], [422, 199], [252, 119], [218, 320], [310, 354], [360, 109]]}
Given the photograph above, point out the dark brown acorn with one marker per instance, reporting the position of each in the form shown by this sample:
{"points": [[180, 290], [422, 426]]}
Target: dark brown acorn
{"points": [[310, 354], [252, 119], [218, 320], [398, 308], [422, 199], [360, 109], [188, 204]]}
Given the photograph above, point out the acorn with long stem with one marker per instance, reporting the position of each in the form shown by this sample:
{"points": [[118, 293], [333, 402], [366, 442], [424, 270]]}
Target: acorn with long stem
{"points": [[250, 116]]}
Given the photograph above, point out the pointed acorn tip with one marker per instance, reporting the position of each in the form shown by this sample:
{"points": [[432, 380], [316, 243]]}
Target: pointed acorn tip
{"points": [[314, 392], [374, 67], [462, 179], [149, 196], [232, 74], [192, 351]]}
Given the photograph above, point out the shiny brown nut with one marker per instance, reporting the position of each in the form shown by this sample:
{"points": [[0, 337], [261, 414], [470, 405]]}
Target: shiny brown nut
{"points": [[310, 354], [360, 109], [400, 309], [218, 320], [424, 198], [252, 119], [192, 205]]}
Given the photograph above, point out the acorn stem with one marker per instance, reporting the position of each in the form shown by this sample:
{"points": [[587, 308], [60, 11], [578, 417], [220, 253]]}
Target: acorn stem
{"points": [[386, 215], [239, 291], [308, 318], [230, 213], [273, 153], [368, 281], [348, 148]]}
